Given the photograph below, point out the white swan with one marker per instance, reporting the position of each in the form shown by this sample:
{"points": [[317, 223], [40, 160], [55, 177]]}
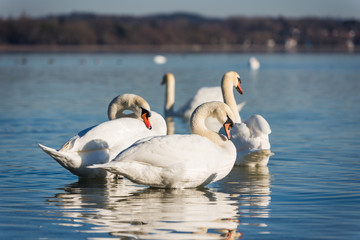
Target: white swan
{"points": [[180, 161], [205, 94], [101, 143], [254, 64], [251, 137]]}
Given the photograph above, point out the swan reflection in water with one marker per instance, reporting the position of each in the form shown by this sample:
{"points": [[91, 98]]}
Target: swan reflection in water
{"points": [[250, 187], [124, 209]]}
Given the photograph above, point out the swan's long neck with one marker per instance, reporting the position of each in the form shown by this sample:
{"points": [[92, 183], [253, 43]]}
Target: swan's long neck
{"points": [[227, 86], [125, 102], [197, 126], [170, 96], [118, 112]]}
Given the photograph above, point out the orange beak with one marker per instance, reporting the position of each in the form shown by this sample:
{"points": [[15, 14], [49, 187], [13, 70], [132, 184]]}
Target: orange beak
{"points": [[145, 117], [238, 88], [227, 127]]}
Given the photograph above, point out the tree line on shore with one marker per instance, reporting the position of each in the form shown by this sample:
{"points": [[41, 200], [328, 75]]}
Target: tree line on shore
{"points": [[178, 29]]}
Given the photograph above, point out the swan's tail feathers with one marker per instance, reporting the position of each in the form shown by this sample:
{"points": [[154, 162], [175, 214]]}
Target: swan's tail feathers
{"points": [[240, 106], [60, 157], [51, 151]]}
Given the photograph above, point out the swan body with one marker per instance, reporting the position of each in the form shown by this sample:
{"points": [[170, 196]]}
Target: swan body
{"points": [[159, 59], [180, 161], [101, 143], [254, 64], [204, 94], [250, 137]]}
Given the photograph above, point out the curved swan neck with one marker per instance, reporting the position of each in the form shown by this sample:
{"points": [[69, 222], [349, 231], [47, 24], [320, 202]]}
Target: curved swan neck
{"points": [[229, 81], [169, 80], [197, 121], [125, 102]]}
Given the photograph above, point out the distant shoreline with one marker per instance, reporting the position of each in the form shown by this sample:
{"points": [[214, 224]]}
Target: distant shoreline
{"points": [[168, 49]]}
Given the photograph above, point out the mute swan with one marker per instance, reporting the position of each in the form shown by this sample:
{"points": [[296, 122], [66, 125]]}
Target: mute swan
{"points": [[101, 143], [205, 94], [254, 64], [251, 137], [159, 59], [181, 161]]}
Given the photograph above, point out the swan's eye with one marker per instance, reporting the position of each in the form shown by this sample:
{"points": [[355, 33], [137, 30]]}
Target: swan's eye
{"points": [[238, 77], [230, 121], [146, 112]]}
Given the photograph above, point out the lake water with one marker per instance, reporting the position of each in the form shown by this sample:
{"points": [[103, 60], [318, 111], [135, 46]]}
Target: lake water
{"points": [[310, 189]]}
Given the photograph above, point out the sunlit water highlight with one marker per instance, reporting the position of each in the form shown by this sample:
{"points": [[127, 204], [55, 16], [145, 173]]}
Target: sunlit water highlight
{"points": [[310, 189]]}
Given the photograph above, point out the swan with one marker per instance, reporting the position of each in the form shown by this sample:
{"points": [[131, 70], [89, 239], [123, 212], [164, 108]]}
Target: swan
{"points": [[254, 64], [180, 161], [204, 94], [101, 143], [250, 137], [159, 59]]}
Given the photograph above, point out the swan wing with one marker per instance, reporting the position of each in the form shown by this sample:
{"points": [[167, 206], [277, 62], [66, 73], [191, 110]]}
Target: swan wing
{"points": [[258, 125], [164, 151], [173, 161], [75, 165], [101, 143], [252, 149], [205, 94], [115, 134]]}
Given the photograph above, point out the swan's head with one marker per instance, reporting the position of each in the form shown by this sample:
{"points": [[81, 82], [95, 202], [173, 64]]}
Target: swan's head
{"points": [[167, 77], [134, 103], [218, 110], [225, 116], [234, 79], [145, 115], [142, 110], [228, 124]]}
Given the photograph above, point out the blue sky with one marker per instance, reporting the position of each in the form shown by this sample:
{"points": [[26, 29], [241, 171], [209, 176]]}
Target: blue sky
{"points": [[215, 8]]}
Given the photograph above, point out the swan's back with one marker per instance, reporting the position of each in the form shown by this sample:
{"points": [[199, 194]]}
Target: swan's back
{"points": [[180, 161], [101, 143], [258, 125], [205, 94], [119, 133], [174, 161]]}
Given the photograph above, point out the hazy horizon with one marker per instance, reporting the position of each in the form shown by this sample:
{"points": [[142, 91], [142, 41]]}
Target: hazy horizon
{"points": [[210, 8]]}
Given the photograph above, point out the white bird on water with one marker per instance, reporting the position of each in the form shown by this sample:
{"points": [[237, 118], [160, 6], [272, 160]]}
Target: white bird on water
{"points": [[251, 137], [180, 161], [204, 94], [159, 59], [254, 63], [101, 143]]}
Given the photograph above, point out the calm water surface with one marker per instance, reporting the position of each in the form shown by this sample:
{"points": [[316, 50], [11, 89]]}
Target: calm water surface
{"points": [[310, 189]]}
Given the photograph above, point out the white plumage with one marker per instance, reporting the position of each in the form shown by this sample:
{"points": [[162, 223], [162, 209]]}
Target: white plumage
{"points": [[101, 143], [251, 137], [180, 161], [254, 64], [204, 94]]}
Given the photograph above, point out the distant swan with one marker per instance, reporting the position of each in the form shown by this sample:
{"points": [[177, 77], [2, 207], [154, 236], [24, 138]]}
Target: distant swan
{"points": [[101, 143], [181, 161], [254, 64], [159, 59], [251, 137], [204, 94]]}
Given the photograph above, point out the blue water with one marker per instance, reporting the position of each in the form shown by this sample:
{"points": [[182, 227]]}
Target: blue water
{"points": [[310, 189]]}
